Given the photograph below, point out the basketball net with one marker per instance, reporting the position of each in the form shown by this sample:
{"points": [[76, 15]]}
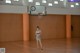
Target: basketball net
{"points": [[40, 15]]}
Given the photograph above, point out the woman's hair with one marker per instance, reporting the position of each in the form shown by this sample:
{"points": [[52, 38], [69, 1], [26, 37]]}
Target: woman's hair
{"points": [[37, 26]]}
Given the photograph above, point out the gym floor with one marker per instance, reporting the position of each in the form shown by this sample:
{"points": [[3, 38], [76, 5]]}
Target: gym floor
{"points": [[49, 46]]}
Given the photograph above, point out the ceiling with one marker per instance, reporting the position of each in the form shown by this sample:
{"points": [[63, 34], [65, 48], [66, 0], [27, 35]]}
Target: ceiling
{"points": [[57, 3], [63, 7], [47, 3]]}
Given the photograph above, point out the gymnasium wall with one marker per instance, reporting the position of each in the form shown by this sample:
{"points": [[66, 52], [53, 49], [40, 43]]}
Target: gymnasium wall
{"points": [[76, 26], [52, 26], [10, 27]]}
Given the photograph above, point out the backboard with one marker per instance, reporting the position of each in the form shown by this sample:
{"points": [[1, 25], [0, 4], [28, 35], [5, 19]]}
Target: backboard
{"points": [[37, 10]]}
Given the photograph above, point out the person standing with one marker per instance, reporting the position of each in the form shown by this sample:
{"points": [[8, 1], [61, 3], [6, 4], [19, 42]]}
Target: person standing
{"points": [[38, 37]]}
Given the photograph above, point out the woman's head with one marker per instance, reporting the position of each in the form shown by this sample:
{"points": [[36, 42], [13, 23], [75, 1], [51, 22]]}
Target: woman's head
{"points": [[38, 27]]}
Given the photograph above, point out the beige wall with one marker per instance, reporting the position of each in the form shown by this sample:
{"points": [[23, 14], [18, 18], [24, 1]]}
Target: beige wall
{"points": [[52, 26], [10, 27], [76, 25]]}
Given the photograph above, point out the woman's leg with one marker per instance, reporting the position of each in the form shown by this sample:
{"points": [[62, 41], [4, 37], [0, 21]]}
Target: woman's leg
{"points": [[37, 43], [40, 43]]}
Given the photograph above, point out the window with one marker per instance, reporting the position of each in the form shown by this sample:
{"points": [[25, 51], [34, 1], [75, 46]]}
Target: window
{"points": [[8, 1]]}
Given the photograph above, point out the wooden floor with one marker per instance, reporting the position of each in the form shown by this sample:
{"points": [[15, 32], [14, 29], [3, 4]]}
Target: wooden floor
{"points": [[49, 46]]}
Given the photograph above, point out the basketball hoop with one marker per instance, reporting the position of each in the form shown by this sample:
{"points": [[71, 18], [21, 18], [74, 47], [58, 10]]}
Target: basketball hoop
{"points": [[40, 15], [39, 11]]}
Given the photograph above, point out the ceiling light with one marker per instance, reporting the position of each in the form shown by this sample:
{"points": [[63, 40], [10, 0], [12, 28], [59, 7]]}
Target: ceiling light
{"points": [[77, 4], [30, 0], [16, 0], [71, 0], [50, 4], [72, 6], [55, 2], [61, 0], [44, 1], [37, 3], [8, 1]]}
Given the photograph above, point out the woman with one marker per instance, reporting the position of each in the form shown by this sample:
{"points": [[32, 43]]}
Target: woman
{"points": [[38, 37]]}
